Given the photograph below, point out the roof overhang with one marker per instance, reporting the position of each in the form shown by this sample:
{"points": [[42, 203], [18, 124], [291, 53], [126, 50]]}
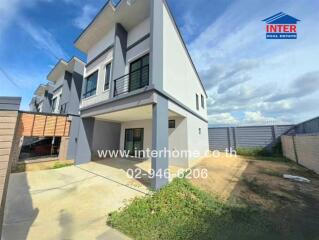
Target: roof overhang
{"points": [[41, 90], [127, 12], [132, 114], [61, 67]]}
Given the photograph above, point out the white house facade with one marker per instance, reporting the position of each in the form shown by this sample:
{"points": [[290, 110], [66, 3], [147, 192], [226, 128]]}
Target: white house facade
{"points": [[140, 90]]}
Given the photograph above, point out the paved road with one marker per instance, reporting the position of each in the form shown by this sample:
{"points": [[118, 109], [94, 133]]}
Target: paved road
{"points": [[67, 203]]}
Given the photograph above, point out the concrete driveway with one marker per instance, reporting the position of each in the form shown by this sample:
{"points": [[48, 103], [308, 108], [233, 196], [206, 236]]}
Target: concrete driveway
{"points": [[69, 203]]}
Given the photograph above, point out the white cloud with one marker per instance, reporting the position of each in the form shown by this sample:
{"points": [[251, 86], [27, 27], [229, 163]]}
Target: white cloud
{"points": [[258, 118], [223, 119], [10, 9], [43, 39], [283, 71], [87, 14]]}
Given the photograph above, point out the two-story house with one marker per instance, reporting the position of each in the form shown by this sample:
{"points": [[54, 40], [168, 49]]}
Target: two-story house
{"points": [[141, 89], [62, 94], [67, 80], [42, 99]]}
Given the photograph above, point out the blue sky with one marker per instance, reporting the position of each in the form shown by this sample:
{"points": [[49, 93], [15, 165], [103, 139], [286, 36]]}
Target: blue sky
{"points": [[249, 80]]}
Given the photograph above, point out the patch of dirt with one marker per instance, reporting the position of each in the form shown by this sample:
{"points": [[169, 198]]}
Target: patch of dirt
{"points": [[262, 184], [292, 206], [223, 174]]}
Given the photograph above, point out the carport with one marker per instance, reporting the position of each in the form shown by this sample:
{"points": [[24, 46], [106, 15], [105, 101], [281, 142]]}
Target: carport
{"points": [[69, 203]]}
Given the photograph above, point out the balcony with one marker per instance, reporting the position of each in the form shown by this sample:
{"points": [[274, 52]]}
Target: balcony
{"points": [[136, 79]]}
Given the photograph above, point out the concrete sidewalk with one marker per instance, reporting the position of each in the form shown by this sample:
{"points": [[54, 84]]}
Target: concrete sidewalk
{"points": [[67, 203]]}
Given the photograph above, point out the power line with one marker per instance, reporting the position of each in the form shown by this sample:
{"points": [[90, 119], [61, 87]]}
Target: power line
{"points": [[7, 76]]}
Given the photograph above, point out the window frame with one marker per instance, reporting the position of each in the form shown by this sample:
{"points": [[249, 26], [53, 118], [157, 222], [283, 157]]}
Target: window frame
{"points": [[54, 103], [110, 76], [85, 94], [63, 108], [140, 70], [202, 101], [197, 102], [174, 123]]}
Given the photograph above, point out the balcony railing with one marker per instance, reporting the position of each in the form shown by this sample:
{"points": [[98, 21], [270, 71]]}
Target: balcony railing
{"points": [[134, 80]]}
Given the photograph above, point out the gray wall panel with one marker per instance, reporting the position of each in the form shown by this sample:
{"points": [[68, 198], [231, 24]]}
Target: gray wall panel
{"points": [[84, 141], [218, 139], [10, 103], [106, 136], [221, 138], [310, 126], [74, 135]]}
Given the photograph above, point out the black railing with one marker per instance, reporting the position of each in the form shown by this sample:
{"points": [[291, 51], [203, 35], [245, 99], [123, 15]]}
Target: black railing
{"points": [[134, 80]]}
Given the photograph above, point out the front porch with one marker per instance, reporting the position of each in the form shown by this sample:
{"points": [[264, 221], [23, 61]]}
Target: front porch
{"points": [[141, 129]]}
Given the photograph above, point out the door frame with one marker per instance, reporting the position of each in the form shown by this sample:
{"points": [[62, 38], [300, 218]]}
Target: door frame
{"points": [[142, 139]]}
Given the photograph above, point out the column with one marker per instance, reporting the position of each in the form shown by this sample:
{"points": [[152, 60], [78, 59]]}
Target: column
{"points": [[160, 141]]}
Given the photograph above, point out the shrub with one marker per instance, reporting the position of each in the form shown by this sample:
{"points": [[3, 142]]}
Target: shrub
{"points": [[256, 151], [277, 149]]}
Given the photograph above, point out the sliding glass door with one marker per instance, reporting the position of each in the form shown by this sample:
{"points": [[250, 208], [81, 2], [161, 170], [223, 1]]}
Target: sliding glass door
{"points": [[133, 140]]}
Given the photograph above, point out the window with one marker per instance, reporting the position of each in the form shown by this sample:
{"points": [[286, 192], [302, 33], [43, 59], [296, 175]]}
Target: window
{"points": [[90, 87], [171, 124], [197, 102], [107, 76], [139, 73], [54, 104], [199, 131], [63, 108], [202, 101]]}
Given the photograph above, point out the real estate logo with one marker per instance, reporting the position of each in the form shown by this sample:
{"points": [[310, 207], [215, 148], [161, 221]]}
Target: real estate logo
{"points": [[281, 26]]}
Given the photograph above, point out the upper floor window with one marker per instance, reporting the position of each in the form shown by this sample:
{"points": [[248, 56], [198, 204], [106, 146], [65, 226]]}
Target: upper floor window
{"points": [[107, 76], [139, 73], [90, 85], [63, 108], [197, 102], [202, 101]]}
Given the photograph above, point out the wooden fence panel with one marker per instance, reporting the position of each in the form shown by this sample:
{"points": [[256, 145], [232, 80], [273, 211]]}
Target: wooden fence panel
{"points": [[8, 120], [41, 125], [50, 126]]}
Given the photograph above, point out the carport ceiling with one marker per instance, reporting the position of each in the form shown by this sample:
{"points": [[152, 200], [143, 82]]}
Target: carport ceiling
{"points": [[132, 114]]}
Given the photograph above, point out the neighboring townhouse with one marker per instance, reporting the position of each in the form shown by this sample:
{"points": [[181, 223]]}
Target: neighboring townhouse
{"points": [[34, 104], [63, 93], [62, 96], [66, 79], [42, 99], [141, 89]]}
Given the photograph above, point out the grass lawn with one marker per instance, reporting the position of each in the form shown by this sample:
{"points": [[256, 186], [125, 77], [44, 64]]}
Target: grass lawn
{"points": [[242, 198], [45, 165], [181, 211], [61, 165]]}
